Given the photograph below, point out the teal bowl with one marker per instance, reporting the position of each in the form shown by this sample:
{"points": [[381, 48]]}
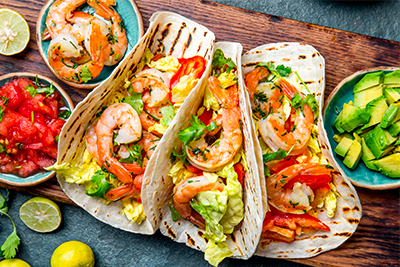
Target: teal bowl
{"points": [[129, 13], [361, 176], [41, 176]]}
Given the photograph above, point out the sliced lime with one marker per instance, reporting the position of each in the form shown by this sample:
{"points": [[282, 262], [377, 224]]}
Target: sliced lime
{"points": [[40, 214], [14, 32]]}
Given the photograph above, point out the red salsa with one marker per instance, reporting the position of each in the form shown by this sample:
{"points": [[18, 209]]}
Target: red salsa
{"points": [[31, 118]]}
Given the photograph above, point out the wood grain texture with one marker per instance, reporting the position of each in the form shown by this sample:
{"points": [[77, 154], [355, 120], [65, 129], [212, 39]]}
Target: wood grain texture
{"points": [[377, 239]]}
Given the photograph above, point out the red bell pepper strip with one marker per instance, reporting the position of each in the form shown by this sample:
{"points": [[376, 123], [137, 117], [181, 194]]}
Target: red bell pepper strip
{"points": [[291, 221], [239, 169], [313, 181]]}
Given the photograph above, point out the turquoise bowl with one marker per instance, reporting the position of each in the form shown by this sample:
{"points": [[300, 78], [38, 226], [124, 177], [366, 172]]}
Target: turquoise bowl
{"points": [[41, 176], [129, 13], [361, 176]]}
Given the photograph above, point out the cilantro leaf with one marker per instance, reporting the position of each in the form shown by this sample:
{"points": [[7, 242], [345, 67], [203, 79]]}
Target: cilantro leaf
{"points": [[283, 71], [279, 71], [135, 155], [219, 62], [136, 101], [48, 90], [175, 154], [10, 246], [195, 131], [85, 74], [298, 102], [168, 114], [99, 185], [64, 114], [278, 155], [3, 106], [31, 90]]}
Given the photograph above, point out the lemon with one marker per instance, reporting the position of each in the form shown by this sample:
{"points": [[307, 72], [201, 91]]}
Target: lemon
{"points": [[14, 32], [40, 214], [72, 254], [14, 263]]}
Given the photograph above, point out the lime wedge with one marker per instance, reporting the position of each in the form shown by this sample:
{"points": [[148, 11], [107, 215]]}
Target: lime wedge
{"points": [[14, 32], [40, 214]]}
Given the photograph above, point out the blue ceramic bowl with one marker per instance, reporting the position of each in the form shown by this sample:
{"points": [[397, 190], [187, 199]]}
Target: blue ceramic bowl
{"points": [[41, 176], [361, 176], [132, 18]]}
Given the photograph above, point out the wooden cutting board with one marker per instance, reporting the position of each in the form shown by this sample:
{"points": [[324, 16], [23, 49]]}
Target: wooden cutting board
{"points": [[377, 239]]}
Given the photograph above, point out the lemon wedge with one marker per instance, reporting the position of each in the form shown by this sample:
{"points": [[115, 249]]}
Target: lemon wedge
{"points": [[40, 214], [14, 32]]}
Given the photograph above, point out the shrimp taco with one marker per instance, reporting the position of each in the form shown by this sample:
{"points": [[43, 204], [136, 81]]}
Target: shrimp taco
{"points": [[207, 193], [312, 207], [109, 147]]}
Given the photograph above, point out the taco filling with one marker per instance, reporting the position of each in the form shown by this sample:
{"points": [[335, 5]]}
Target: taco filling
{"points": [[209, 170], [128, 128], [298, 178]]}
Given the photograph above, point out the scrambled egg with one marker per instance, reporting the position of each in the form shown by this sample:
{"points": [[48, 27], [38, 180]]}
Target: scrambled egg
{"points": [[168, 63]]}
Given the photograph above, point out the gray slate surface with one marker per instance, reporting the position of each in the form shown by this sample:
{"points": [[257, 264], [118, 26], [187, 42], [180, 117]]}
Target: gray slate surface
{"points": [[113, 247]]}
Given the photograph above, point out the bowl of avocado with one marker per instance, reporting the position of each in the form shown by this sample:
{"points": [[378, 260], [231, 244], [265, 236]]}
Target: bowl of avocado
{"points": [[362, 123]]}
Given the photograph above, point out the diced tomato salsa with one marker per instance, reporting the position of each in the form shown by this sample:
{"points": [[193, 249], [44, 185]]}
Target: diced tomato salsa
{"points": [[31, 118]]}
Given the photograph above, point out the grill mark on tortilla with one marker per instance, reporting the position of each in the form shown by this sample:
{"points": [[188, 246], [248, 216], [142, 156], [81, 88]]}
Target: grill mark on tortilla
{"points": [[356, 208], [165, 32], [118, 73], [345, 184], [346, 234], [314, 250], [346, 209], [282, 256], [170, 232], [95, 211], [314, 55], [309, 82], [351, 195], [233, 237], [286, 59], [194, 30], [198, 49], [187, 44], [251, 64], [271, 48], [177, 38], [198, 247], [351, 221], [206, 52], [302, 56], [190, 240], [205, 34]]}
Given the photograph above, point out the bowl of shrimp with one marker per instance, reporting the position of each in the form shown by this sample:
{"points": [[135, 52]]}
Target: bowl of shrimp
{"points": [[83, 41]]}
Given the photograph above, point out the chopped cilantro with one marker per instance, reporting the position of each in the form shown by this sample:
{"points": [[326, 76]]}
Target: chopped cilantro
{"points": [[99, 185], [219, 62], [64, 114], [85, 74], [195, 131], [168, 114], [135, 100]]}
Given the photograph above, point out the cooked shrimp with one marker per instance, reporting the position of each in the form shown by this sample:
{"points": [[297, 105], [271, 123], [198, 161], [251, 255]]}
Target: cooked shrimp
{"points": [[64, 47], [150, 116], [296, 199], [117, 40], [57, 19], [120, 115], [213, 157], [279, 130], [186, 190], [91, 143], [126, 190]]}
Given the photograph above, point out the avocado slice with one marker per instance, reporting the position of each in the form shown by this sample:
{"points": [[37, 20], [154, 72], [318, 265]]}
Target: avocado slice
{"points": [[339, 137], [392, 79], [376, 108], [353, 155], [380, 147], [336, 124], [394, 129], [343, 146], [390, 165], [353, 117], [366, 152], [362, 98], [383, 137], [391, 95], [369, 80], [371, 165], [389, 116]]}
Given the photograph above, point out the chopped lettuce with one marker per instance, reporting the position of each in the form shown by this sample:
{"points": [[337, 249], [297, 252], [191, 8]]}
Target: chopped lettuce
{"points": [[227, 79], [168, 63], [210, 101], [178, 172], [74, 173], [234, 214], [168, 114], [158, 127], [216, 252], [211, 176], [183, 88], [146, 58], [133, 211]]}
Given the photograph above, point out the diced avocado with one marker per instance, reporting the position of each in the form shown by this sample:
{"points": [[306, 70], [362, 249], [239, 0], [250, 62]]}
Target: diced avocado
{"points": [[369, 80], [353, 155], [394, 129], [353, 117], [343, 146], [336, 124], [371, 165], [362, 98], [383, 137], [366, 153], [389, 165], [389, 116], [339, 137], [397, 117], [391, 95], [376, 108], [378, 148], [361, 132], [392, 78], [397, 142]]}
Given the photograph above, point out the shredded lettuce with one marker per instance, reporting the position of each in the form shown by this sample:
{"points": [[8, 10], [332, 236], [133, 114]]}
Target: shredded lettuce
{"points": [[146, 58], [168, 63], [158, 127], [216, 252], [178, 172], [209, 100], [183, 88], [133, 211], [227, 79]]}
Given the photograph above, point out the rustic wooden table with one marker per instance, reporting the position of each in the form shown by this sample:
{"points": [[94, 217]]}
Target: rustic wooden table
{"points": [[377, 239]]}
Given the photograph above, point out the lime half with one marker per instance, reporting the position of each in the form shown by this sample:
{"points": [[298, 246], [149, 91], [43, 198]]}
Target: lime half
{"points": [[14, 32], [40, 214]]}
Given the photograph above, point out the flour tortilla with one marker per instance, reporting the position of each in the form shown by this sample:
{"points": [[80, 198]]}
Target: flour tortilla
{"points": [[244, 239], [181, 37], [310, 66]]}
